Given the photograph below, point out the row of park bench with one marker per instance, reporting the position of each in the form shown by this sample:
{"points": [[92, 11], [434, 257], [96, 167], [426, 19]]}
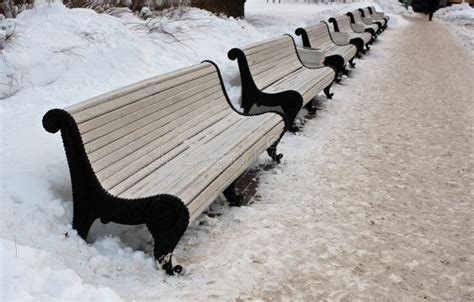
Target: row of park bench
{"points": [[160, 151]]}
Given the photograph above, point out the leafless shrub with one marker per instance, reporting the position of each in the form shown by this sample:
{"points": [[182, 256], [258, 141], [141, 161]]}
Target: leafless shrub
{"points": [[71, 51], [93, 36], [8, 32], [11, 8], [10, 84]]}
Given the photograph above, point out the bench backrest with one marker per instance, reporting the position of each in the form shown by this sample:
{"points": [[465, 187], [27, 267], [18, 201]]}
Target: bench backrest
{"points": [[151, 119], [356, 16], [318, 35], [343, 23], [365, 12], [373, 11], [271, 60]]}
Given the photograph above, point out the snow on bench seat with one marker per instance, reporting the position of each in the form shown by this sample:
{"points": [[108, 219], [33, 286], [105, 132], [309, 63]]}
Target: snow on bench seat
{"points": [[338, 52], [158, 152], [273, 75]]}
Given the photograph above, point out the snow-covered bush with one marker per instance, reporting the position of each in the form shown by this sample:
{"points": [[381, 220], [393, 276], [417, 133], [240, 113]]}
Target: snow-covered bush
{"points": [[7, 30], [11, 8], [9, 81], [461, 19], [135, 5], [394, 7]]}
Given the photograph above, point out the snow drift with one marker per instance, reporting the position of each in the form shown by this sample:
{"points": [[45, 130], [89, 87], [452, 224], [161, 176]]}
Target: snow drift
{"points": [[460, 17]]}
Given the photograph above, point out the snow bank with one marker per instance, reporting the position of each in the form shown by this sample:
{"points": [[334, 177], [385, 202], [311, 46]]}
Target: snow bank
{"points": [[394, 7], [61, 56], [32, 274], [460, 17]]}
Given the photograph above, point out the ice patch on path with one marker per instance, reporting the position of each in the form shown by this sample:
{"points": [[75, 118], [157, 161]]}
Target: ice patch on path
{"points": [[32, 274], [460, 17]]}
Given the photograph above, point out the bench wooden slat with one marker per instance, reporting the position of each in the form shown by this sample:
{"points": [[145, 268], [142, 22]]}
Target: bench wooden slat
{"points": [[119, 176], [118, 158], [276, 72], [234, 170], [151, 103], [143, 125], [271, 43], [231, 145], [344, 23], [304, 83], [107, 103], [358, 20], [184, 158], [270, 57]]}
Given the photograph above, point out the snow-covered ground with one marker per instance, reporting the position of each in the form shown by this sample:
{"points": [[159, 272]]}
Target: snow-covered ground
{"points": [[57, 57], [460, 18]]}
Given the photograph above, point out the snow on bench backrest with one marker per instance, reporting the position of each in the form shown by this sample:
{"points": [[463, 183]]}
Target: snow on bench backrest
{"points": [[271, 60], [147, 119]]}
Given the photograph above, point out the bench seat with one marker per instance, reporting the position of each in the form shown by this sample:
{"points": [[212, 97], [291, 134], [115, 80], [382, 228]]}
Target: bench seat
{"points": [[337, 52], [358, 25], [159, 152], [367, 18], [302, 80], [215, 144], [378, 15], [274, 77], [347, 52]]}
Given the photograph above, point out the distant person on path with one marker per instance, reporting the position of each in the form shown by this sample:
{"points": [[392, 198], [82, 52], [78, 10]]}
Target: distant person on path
{"points": [[432, 7]]}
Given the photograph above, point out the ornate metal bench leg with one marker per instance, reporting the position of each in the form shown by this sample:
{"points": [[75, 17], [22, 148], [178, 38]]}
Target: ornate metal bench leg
{"points": [[311, 109], [166, 218], [234, 199], [166, 262], [84, 213], [367, 46], [346, 71], [272, 152], [291, 104], [82, 223], [328, 93], [352, 63]]}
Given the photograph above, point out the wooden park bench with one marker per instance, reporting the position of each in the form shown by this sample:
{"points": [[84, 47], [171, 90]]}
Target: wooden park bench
{"points": [[377, 15], [361, 38], [158, 152], [273, 75], [339, 50], [360, 26], [367, 18]]}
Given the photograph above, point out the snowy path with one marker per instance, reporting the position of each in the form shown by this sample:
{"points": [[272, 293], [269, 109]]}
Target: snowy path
{"points": [[381, 207]]}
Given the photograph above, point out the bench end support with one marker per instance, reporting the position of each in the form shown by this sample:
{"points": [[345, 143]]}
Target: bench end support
{"points": [[167, 217], [234, 199]]}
